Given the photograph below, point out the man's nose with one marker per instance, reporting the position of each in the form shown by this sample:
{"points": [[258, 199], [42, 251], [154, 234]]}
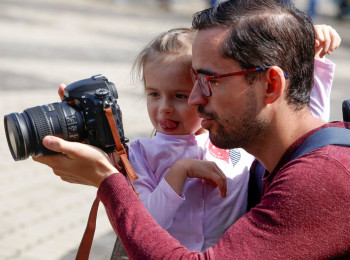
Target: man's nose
{"points": [[197, 97]]}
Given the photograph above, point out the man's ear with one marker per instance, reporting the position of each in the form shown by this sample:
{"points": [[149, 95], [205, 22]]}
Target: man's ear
{"points": [[276, 84]]}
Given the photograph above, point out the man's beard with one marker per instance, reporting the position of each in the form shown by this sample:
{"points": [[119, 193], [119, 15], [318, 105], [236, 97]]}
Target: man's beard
{"points": [[236, 131]]}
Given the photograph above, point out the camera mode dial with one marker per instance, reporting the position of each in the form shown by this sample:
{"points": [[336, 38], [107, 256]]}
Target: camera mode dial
{"points": [[101, 93]]}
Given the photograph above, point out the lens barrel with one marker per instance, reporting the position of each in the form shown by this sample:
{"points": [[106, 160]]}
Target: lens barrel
{"points": [[25, 131]]}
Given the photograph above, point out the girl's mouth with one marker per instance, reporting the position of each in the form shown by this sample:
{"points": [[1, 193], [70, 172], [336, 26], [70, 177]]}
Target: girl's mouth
{"points": [[168, 124]]}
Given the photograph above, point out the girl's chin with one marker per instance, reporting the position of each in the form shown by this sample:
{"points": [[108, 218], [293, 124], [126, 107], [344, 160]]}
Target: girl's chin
{"points": [[172, 131], [169, 130]]}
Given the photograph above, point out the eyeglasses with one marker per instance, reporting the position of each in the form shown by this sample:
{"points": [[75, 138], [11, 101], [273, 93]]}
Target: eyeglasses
{"points": [[204, 80]]}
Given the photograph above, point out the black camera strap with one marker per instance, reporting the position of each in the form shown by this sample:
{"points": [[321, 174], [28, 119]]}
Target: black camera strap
{"points": [[122, 163]]}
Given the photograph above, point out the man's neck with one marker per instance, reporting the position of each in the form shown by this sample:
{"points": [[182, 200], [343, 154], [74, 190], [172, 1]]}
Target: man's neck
{"points": [[281, 135]]}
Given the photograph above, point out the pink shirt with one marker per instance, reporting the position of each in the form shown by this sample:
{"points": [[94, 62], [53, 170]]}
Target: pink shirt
{"points": [[200, 217], [321, 91]]}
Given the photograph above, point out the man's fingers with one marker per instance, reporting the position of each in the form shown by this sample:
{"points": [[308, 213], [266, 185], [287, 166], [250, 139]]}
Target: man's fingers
{"points": [[51, 160]]}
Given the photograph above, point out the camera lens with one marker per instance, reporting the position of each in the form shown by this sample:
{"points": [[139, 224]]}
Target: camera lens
{"points": [[25, 131], [17, 135]]}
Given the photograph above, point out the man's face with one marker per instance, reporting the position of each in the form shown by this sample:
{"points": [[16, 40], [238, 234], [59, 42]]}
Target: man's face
{"points": [[232, 113]]}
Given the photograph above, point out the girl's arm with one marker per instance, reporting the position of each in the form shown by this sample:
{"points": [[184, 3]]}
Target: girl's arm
{"points": [[163, 196], [159, 199], [326, 41]]}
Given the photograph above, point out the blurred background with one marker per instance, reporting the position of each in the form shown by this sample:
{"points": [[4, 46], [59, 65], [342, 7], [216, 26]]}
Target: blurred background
{"points": [[47, 42]]}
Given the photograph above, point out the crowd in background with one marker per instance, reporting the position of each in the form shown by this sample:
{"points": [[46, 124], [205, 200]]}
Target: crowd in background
{"points": [[342, 5]]}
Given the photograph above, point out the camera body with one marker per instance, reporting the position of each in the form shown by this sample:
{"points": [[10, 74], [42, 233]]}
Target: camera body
{"points": [[79, 117], [91, 96]]}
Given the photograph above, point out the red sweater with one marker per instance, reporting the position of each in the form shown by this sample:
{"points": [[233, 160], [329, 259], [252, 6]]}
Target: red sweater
{"points": [[304, 214]]}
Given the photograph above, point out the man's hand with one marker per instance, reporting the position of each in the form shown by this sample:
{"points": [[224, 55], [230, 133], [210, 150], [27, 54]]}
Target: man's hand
{"points": [[77, 162]]}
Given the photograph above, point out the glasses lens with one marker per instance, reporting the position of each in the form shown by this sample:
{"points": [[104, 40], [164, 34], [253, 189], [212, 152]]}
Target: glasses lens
{"points": [[204, 85], [193, 76], [202, 82]]}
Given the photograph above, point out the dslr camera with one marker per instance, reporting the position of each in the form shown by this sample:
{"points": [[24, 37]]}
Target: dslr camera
{"points": [[80, 117]]}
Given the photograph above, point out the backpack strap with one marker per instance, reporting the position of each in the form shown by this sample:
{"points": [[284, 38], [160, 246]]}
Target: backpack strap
{"points": [[326, 136], [346, 110]]}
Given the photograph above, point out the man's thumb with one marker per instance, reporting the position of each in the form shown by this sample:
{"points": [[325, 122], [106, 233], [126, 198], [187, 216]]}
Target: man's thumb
{"points": [[56, 144]]}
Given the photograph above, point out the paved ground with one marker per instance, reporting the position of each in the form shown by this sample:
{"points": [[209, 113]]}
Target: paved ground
{"points": [[44, 43]]}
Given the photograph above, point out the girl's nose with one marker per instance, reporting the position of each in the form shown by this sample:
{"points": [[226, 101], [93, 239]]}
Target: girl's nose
{"points": [[166, 106]]}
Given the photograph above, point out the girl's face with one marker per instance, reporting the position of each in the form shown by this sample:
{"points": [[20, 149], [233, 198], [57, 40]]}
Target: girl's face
{"points": [[168, 86]]}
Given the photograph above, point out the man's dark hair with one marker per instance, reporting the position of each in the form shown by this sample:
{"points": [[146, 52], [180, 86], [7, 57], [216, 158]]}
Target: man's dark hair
{"points": [[264, 33]]}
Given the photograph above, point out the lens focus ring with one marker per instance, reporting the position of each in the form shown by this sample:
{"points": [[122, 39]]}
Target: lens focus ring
{"points": [[40, 122]]}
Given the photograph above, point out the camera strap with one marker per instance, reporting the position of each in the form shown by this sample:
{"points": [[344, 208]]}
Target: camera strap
{"points": [[120, 149], [125, 166]]}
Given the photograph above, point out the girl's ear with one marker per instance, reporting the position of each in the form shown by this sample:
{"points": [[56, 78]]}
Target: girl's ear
{"points": [[276, 83]]}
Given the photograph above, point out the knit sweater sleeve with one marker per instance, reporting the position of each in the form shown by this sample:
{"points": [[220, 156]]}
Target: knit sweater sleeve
{"points": [[141, 236], [302, 215]]}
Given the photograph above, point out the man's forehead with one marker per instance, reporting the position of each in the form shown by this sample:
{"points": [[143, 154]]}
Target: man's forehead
{"points": [[207, 48], [214, 36]]}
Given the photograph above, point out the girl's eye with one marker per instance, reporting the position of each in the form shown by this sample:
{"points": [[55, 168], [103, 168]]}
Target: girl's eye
{"points": [[181, 96], [153, 94]]}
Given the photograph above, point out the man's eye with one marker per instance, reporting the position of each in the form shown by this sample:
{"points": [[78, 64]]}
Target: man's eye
{"points": [[213, 82]]}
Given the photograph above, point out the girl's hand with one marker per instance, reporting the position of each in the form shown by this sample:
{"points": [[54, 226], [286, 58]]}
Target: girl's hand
{"points": [[192, 168], [77, 162], [326, 40]]}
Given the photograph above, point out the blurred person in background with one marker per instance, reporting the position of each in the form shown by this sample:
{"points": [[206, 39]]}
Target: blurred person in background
{"points": [[343, 9], [312, 9], [164, 4]]}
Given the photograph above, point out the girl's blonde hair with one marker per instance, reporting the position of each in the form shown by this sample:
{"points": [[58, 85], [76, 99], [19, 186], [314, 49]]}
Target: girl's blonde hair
{"points": [[175, 43]]}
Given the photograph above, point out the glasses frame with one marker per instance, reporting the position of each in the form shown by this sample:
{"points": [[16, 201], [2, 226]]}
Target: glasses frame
{"points": [[207, 92]]}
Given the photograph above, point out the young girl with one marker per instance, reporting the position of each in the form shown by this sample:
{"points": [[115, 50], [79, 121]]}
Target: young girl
{"points": [[185, 203]]}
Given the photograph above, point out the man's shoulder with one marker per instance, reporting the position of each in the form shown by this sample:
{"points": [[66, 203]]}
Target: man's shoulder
{"points": [[328, 166], [330, 155]]}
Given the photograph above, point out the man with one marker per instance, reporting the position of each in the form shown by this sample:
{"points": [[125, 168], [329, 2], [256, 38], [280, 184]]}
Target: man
{"points": [[305, 208]]}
